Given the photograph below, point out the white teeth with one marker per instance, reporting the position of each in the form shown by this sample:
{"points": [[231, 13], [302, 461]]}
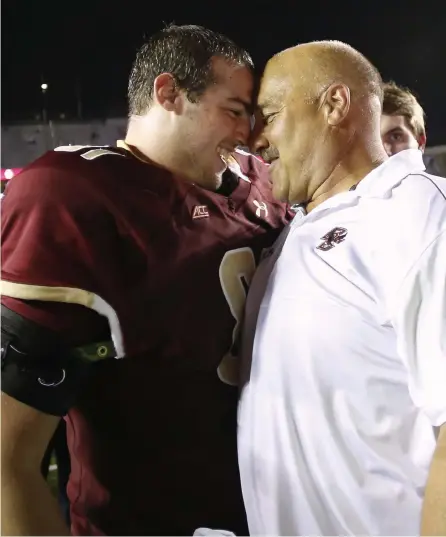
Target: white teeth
{"points": [[224, 153]]}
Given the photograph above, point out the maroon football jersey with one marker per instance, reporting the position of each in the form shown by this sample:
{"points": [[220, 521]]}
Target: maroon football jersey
{"points": [[166, 264]]}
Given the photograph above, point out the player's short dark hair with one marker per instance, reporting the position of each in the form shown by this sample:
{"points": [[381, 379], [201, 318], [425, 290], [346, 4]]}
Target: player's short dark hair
{"points": [[186, 53]]}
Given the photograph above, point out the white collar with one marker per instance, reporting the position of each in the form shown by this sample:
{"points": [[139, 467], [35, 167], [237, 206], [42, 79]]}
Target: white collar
{"points": [[378, 182], [391, 172]]}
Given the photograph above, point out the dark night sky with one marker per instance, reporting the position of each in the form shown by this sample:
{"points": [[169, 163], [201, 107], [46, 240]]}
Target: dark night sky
{"points": [[94, 42]]}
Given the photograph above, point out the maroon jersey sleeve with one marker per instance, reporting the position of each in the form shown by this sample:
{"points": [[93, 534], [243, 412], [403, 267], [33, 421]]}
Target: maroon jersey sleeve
{"points": [[58, 242]]}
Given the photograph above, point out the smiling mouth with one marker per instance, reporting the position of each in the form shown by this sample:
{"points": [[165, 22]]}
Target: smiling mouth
{"points": [[224, 158]]}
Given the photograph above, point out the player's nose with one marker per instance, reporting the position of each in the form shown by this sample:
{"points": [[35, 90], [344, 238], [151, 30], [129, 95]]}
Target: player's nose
{"points": [[243, 131]]}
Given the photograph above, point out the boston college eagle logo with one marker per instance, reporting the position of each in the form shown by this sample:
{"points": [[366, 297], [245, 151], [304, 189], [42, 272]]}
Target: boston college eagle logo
{"points": [[332, 238]]}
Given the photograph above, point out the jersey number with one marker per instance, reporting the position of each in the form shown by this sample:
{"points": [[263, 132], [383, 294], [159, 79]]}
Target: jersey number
{"points": [[236, 270]]}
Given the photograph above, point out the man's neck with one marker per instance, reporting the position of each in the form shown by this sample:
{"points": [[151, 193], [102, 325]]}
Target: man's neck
{"points": [[345, 176], [149, 143]]}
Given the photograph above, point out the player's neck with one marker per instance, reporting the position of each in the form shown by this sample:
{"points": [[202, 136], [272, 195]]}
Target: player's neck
{"points": [[347, 173], [149, 145]]}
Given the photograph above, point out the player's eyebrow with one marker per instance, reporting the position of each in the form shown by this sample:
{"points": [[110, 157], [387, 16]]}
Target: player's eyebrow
{"points": [[246, 104], [395, 130]]}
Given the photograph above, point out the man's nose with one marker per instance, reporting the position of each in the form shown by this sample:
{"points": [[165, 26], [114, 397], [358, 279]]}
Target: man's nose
{"points": [[258, 143], [243, 131]]}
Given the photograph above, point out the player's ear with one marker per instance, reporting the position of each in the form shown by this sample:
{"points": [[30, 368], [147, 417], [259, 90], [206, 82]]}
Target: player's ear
{"points": [[422, 142], [336, 104], [166, 92]]}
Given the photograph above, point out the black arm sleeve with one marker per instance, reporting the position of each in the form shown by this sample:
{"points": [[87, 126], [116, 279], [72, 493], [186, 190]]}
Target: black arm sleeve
{"points": [[38, 369]]}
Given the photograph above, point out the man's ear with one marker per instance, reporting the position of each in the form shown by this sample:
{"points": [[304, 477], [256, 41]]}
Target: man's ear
{"points": [[422, 142], [166, 92], [336, 104]]}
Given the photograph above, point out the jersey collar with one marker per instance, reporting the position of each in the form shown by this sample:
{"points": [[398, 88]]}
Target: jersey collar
{"points": [[241, 191]]}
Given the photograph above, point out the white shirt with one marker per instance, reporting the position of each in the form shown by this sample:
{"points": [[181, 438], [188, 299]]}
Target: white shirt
{"points": [[348, 371]]}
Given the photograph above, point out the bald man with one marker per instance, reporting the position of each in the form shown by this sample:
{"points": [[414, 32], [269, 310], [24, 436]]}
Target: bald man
{"points": [[344, 344]]}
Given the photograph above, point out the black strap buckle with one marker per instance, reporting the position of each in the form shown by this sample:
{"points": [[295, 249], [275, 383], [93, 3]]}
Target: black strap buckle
{"points": [[4, 352], [27, 364]]}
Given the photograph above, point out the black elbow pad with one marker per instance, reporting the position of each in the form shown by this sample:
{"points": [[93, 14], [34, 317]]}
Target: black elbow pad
{"points": [[39, 370]]}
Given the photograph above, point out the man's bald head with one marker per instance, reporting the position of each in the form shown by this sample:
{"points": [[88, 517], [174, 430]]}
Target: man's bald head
{"points": [[321, 104], [314, 66]]}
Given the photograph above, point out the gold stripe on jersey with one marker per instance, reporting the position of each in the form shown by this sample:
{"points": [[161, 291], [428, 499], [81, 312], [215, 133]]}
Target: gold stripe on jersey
{"points": [[72, 295], [68, 295], [24, 291]]}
